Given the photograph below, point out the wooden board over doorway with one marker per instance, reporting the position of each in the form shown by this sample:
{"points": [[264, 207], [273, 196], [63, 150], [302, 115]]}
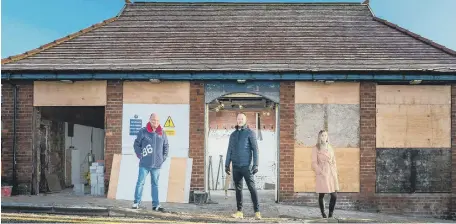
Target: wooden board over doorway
{"points": [[174, 92], [82, 93]]}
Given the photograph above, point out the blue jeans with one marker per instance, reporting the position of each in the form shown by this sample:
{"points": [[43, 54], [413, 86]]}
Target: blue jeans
{"points": [[154, 176]]}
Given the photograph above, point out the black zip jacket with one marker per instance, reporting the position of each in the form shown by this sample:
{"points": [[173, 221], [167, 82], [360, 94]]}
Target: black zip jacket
{"points": [[242, 148]]}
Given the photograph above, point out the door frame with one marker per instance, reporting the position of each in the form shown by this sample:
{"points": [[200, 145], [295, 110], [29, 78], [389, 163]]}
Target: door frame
{"points": [[277, 131]]}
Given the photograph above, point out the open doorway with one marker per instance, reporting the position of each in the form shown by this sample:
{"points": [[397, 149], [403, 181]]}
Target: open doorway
{"points": [[221, 121], [69, 139]]}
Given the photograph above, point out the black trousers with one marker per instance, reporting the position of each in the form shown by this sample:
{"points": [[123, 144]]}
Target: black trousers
{"points": [[240, 173]]}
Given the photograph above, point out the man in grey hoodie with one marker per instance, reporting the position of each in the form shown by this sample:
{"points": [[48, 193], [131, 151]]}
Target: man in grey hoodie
{"points": [[242, 151], [151, 147]]}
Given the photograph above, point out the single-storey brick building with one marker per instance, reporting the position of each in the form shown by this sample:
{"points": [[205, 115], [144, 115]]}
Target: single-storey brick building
{"points": [[386, 95]]}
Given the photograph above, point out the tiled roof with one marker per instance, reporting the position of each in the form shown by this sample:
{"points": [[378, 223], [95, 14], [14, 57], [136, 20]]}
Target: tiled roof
{"points": [[262, 37]]}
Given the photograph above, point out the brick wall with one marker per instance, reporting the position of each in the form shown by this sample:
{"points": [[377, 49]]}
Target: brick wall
{"points": [[227, 119], [453, 150], [113, 123], [23, 131], [287, 129], [7, 130], [418, 205], [367, 144], [196, 150]]}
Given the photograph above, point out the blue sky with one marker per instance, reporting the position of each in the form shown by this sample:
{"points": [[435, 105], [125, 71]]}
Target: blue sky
{"points": [[28, 24]]}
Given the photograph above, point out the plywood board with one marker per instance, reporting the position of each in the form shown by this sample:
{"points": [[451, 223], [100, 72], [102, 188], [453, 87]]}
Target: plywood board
{"points": [[304, 176], [114, 177], [81, 93], [413, 126], [347, 160], [415, 95], [391, 126], [177, 178], [53, 182], [348, 166], [321, 93], [128, 176], [156, 93], [188, 180]]}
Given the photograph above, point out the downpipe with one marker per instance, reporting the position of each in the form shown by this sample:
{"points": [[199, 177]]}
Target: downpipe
{"points": [[15, 91]]}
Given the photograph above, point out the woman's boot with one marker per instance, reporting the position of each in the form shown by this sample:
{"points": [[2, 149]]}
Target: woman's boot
{"points": [[322, 207], [332, 204]]}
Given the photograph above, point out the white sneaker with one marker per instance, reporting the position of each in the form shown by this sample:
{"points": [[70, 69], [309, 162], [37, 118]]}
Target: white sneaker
{"points": [[135, 206]]}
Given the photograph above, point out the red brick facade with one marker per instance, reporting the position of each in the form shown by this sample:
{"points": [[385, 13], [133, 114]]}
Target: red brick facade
{"points": [[453, 150], [436, 204], [196, 150], [367, 138], [287, 129], [23, 131], [227, 120], [7, 130], [367, 98], [113, 123]]}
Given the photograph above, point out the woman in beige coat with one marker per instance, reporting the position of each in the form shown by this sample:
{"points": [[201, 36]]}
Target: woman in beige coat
{"points": [[324, 165]]}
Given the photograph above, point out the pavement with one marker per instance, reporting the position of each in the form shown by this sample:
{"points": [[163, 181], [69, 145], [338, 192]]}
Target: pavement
{"points": [[65, 202], [45, 218]]}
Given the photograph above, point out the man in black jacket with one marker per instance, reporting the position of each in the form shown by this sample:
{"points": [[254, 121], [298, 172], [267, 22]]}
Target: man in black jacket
{"points": [[242, 149]]}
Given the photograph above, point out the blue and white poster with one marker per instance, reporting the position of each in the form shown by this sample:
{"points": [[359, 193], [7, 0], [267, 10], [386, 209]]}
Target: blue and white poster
{"points": [[135, 125]]}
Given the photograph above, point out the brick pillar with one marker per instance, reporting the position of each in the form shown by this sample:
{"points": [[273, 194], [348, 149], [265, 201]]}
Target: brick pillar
{"points": [[367, 141], [7, 131], [113, 123], [196, 150], [287, 129], [24, 124], [453, 151]]}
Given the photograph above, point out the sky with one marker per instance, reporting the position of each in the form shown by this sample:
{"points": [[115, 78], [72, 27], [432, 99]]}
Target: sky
{"points": [[28, 24]]}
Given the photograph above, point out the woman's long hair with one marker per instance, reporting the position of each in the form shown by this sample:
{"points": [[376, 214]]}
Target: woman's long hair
{"points": [[320, 142]]}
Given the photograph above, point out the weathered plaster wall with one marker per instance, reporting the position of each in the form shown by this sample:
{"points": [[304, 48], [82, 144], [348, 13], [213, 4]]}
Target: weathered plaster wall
{"points": [[413, 170], [54, 149]]}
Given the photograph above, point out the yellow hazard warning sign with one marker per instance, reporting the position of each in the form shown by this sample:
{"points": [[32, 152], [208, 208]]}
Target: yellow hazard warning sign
{"points": [[170, 132], [169, 123]]}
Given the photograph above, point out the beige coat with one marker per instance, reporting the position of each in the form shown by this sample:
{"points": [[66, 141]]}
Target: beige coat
{"points": [[324, 165]]}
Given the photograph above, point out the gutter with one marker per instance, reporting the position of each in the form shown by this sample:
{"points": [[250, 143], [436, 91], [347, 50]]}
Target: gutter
{"points": [[443, 77]]}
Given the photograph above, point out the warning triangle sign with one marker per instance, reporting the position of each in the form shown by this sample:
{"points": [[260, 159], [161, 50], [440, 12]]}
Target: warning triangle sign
{"points": [[169, 123]]}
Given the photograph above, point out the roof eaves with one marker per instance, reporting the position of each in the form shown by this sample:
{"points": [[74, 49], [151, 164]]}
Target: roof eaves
{"points": [[240, 3], [416, 36], [56, 42]]}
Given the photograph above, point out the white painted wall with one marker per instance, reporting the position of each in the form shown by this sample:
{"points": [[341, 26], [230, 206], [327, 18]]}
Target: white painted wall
{"points": [[218, 144], [178, 146], [85, 139]]}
